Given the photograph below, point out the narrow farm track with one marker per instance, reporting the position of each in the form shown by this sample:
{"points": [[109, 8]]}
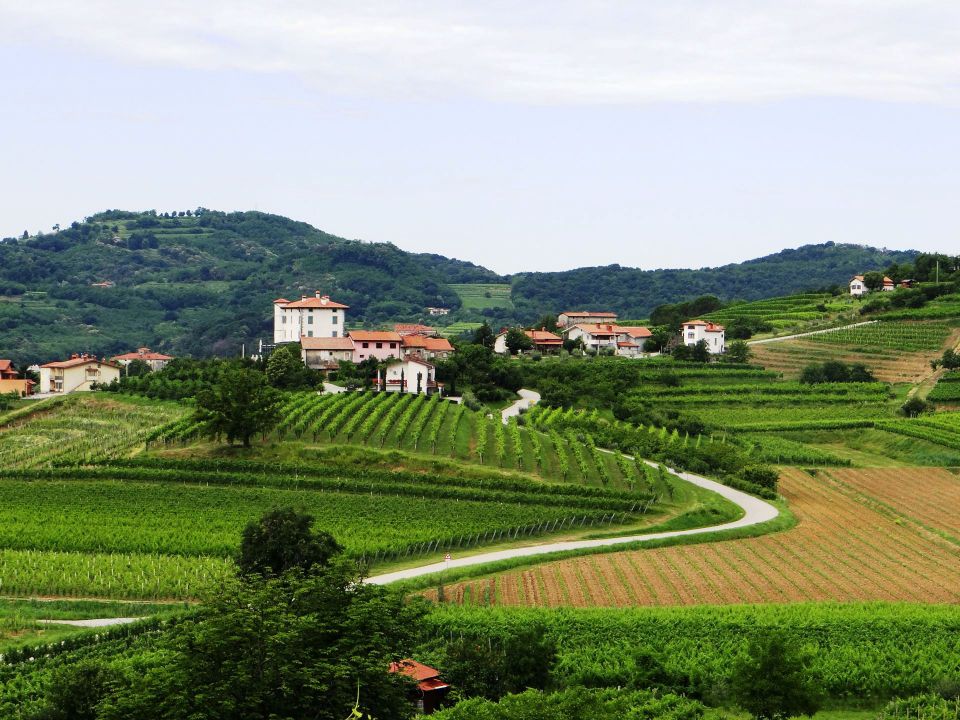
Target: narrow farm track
{"points": [[755, 511], [781, 338], [843, 549]]}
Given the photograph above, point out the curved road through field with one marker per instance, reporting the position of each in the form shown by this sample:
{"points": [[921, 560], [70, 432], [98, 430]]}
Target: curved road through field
{"points": [[807, 334], [755, 511]]}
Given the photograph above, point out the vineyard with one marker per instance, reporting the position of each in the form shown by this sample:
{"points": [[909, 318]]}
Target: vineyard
{"points": [[784, 313], [844, 548], [947, 390], [894, 351], [79, 428]]}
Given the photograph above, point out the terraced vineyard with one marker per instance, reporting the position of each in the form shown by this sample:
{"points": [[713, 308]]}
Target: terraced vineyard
{"points": [[480, 296], [895, 351], [843, 549], [947, 390], [784, 313]]}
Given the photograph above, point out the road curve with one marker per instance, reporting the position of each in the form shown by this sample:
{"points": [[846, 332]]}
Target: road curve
{"points": [[806, 334], [755, 511], [527, 399]]}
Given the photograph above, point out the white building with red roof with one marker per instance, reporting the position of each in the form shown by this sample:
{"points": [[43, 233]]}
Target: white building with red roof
{"points": [[78, 373], [156, 361], [317, 316], [712, 334], [410, 375], [429, 348], [325, 353]]}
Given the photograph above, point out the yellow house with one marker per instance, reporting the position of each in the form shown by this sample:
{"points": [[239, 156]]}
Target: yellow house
{"points": [[11, 382], [76, 374]]}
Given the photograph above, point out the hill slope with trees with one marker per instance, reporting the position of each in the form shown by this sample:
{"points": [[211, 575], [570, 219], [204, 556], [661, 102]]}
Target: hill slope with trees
{"points": [[201, 282]]}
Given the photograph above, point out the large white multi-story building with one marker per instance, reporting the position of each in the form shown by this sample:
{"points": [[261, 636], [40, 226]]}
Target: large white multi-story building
{"points": [[317, 316]]}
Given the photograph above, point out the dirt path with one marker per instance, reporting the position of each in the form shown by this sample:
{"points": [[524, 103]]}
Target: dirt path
{"points": [[807, 334], [527, 399]]}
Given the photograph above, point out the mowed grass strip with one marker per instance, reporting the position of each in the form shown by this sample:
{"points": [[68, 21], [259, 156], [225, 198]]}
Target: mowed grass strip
{"points": [[841, 550]]}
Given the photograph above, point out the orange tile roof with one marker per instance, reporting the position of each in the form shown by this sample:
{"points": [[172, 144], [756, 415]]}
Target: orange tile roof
{"points": [[637, 331], [142, 354], [580, 313], [414, 329], [599, 329], [325, 343], [322, 302], [375, 336], [413, 358], [413, 669], [6, 365], [438, 345], [76, 362], [710, 327], [544, 337]]}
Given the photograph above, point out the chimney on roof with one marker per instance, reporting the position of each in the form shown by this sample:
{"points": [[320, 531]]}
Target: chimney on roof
{"points": [[317, 293], [303, 297], [74, 356], [325, 299]]}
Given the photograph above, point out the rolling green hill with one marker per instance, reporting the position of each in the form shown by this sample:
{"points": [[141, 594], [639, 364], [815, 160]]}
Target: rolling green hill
{"points": [[202, 283]]}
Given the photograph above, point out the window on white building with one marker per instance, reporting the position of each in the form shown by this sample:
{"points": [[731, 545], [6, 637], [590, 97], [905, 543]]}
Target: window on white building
{"points": [[334, 318], [379, 345], [310, 333], [309, 319], [334, 334], [283, 319]]}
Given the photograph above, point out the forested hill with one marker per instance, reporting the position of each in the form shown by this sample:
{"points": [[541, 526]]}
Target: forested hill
{"points": [[198, 282], [633, 293], [202, 282]]}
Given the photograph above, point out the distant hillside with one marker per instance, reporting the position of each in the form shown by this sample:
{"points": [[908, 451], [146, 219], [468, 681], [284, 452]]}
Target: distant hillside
{"points": [[202, 283], [634, 293]]}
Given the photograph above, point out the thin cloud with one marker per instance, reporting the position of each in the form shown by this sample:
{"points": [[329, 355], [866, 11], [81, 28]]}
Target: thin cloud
{"points": [[560, 52]]}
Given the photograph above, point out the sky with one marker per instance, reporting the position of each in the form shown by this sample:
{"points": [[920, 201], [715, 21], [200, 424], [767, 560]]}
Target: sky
{"points": [[534, 135]]}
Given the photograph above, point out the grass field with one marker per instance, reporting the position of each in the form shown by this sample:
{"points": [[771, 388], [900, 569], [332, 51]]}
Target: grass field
{"points": [[481, 296], [846, 548]]}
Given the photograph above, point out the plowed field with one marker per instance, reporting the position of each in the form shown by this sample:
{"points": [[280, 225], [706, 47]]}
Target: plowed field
{"points": [[791, 356], [842, 549]]}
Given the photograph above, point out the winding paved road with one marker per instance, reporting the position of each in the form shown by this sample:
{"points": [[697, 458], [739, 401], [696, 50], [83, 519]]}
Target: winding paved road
{"points": [[755, 511], [528, 398]]}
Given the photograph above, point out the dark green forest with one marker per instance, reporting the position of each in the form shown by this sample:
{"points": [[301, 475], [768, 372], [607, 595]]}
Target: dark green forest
{"points": [[634, 293], [201, 282]]}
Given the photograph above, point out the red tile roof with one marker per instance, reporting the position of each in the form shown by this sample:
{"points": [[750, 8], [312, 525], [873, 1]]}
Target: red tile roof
{"points": [[325, 343], [543, 337], [375, 336], [142, 354], [414, 329], [319, 301], [413, 358], [76, 362], [282, 301], [578, 313], [599, 329], [710, 327], [6, 365], [427, 343]]}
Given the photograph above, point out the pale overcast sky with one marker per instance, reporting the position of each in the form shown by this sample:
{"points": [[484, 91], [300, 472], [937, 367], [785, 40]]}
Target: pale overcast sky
{"points": [[526, 135]]}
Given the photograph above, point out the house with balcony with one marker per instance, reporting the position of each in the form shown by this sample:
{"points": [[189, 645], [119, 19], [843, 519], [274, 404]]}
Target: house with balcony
{"points": [[409, 375], [78, 374], [428, 348]]}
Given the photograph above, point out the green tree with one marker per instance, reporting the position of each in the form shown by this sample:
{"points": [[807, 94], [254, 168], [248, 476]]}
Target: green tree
{"points": [[240, 405], [484, 336], [137, 368], [285, 367], [700, 352], [915, 406], [295, 646], [812, 374], [873, 280], [771, 681], [738, 352], [283, 540], [547, 322], [682, 352], [517, 341]]}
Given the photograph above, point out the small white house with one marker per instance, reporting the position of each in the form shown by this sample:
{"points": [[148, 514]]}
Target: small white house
{"points": [[714, 335], [156, 361], [410, 375], [595, 337], [859, 289]]}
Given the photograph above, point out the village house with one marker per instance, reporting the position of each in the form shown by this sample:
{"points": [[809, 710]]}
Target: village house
{"points": [[575, 317], [596, 337], [858, 288], [543, 340], [77, 374], [428, 348], [325, 353], [632, 340], [410, 375], [438, 311], [379, 344], [712, 334], [317, 316], [156, 361], [11, 382], [430, 690]]}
